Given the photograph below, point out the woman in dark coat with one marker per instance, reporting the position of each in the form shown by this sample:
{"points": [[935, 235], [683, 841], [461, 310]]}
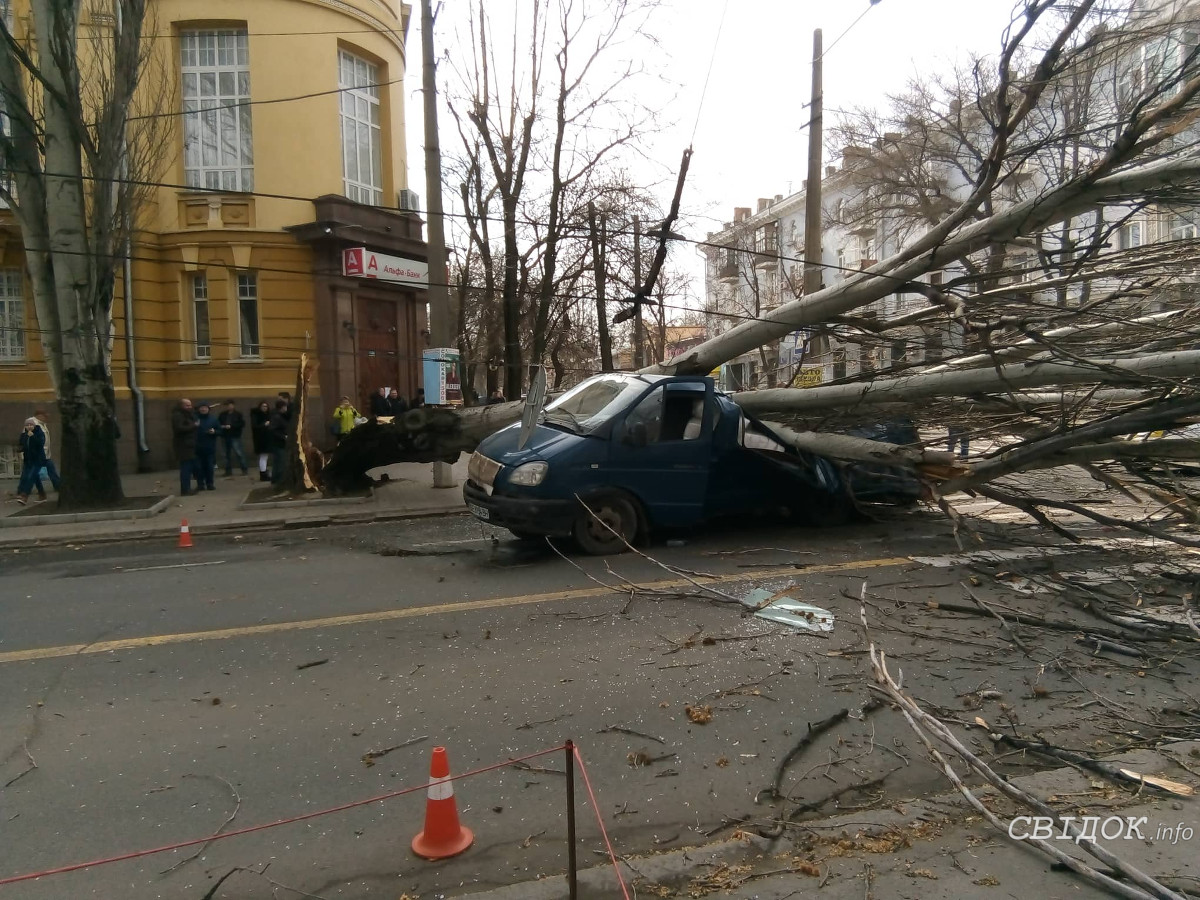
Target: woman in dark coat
{"points": [[260, 431], [277, 431], [33, 457]]}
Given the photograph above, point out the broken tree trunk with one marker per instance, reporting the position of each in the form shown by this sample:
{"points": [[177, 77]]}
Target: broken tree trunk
{"points": [[996, 380], [422, 435]]}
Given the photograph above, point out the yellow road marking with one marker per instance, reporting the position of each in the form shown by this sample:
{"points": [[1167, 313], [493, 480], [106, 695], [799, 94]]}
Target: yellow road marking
{"points": [[159, 640]]}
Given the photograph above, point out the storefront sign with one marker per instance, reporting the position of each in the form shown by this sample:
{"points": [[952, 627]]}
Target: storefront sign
{"points": [[363, 263]]}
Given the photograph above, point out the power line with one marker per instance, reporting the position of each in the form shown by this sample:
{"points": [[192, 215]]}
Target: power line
{"points": [[707, 75]]}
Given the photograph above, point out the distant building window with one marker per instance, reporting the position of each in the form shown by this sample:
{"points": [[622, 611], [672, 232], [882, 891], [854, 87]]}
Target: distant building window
{"points": [[899, 349], [1182, 229], [10, 461], [933, 347], [1131, 235], [362, 136], [247, 298], [12, 316], [200, 331], [218, 147]]}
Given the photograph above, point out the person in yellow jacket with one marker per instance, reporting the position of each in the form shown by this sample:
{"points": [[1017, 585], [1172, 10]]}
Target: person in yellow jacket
{"points": [[343, 419]]}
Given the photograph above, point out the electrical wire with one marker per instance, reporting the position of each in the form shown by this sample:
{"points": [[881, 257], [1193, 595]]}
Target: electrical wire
{"points": [[712, 56]]}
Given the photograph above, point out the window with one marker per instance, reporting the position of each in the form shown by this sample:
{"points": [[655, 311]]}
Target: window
{"points": [[933, 347], [200, 331], [899, 350], [12, 316], [10, 461], [218, 148], [247, 298], [362, 138], [1131, 235], [1182, 229]]}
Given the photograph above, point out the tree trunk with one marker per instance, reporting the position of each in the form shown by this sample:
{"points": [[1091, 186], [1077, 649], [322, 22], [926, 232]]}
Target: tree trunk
{"points": [[88, 434], [999, 380]]}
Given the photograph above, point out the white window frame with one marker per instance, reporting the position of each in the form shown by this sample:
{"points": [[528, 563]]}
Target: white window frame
{"points": [[249, 338], [1182, 229], [218, 143], [12, 316], [10, 461], [1133, 235], [202, 349], [360, 120]]}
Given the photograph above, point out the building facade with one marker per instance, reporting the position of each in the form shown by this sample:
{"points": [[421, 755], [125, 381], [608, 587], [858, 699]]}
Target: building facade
{"points": [[286, 148]]}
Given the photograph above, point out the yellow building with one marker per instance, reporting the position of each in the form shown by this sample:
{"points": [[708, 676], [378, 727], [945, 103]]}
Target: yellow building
{"points": [[287, 148]]}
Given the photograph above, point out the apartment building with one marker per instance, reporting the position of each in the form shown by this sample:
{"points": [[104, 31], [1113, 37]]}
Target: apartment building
{"points": [[283, 168]]}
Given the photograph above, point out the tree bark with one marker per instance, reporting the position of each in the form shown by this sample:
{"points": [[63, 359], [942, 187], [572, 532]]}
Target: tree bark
{"points": [[998, 380]]}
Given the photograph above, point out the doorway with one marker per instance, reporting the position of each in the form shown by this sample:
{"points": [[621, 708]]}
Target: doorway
{"points": [[377, 346]]}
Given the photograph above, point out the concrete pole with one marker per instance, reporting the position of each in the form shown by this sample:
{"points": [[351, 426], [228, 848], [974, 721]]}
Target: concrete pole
{"points": [[638, 328], [812, 194], [439, 298]]}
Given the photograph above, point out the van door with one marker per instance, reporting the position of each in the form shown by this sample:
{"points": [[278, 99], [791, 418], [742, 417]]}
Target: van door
{"points": [[662, 451]]}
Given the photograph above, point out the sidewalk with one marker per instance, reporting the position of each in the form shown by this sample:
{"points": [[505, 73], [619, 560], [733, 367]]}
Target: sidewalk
{"points": [[935, 848], [408, 493]]}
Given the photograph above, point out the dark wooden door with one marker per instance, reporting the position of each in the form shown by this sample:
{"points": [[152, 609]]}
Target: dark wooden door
{"points": [[377, 343]]}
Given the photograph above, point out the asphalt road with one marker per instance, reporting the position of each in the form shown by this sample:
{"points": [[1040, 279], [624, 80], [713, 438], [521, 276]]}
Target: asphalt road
{"points": [[164, 694]]}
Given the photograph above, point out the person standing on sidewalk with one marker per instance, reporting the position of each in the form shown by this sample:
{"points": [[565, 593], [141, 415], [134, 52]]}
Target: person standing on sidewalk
{"points": [[379, 403], [397, 405], [343, 419], [208, 429], [183, 441], [233, 423], [33, 457], [51, 470], [278, 429], [260, 433]]}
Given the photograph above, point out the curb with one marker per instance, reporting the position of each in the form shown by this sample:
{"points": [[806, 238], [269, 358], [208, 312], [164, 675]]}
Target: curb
{"points": [[300, 504], [119, 515], [228, 527]]}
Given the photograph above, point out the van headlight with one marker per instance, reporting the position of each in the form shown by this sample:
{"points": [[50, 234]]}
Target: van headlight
{"points": [[530, 474]]}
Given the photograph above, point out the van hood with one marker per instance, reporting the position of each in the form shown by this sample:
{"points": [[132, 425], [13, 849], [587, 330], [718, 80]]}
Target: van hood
{"points": [[545, 443]]}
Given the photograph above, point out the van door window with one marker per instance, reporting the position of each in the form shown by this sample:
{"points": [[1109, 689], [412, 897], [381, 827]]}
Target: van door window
{"points": [[669, 415]]}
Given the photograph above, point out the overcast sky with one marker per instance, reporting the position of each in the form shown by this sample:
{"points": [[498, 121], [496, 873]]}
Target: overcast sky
{"points": [[749, 141]]}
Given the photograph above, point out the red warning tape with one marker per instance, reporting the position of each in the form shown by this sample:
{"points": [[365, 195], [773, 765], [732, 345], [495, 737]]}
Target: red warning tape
{"points": [[75, 867], [599, 819]]}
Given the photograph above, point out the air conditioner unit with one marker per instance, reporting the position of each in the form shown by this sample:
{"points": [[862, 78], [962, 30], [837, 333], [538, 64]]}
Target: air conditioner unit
{"points": [[406, 199]]}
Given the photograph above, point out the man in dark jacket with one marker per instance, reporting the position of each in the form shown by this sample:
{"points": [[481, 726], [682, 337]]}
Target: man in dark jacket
{"points": [[183, 441], [379, 404], [279, 437], [33, 457], [397, 406], [208, 429], [233, 423]]}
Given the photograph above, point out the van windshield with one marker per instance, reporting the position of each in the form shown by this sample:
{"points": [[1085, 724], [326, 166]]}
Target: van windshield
{"points": [[588, 406]]}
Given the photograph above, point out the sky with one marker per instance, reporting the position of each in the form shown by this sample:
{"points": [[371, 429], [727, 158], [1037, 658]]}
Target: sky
{"points": [[748, 124]]}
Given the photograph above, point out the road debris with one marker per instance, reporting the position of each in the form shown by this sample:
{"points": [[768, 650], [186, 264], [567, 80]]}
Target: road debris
{"points": [[370, 756], [701, 715], [313, 664], [781, 607]]}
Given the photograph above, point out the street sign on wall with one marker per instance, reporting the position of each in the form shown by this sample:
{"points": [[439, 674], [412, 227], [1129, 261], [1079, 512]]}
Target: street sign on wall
{"points": [[359, 262]]}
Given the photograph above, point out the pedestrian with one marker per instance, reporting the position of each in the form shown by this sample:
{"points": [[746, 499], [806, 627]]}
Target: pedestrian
{"points": [[51, 469], [183, 440], [287, 404], [379, 403], [397, 406], [959, 435], [278, 429], [418, 401], [208, 430], [33, 457], [496, 397], [343, 419], [233, 423], [260, 434]]}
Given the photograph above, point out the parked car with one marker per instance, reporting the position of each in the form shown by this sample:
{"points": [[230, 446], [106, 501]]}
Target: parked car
{"points": [[621, 456]]}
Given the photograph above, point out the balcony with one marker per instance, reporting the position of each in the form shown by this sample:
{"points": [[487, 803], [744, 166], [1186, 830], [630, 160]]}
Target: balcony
{"points": [[728, 270]]}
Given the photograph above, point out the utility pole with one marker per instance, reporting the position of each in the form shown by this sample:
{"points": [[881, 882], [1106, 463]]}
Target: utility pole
{"points": [[812, 194], [599, 237], [638, 338], [439, 298]]}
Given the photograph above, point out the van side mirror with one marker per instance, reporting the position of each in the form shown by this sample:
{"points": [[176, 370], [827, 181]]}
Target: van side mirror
{"points": [[635, 435]]}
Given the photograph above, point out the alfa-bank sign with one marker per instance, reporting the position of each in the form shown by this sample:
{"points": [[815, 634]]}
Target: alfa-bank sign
{"points": [[363, 263]]}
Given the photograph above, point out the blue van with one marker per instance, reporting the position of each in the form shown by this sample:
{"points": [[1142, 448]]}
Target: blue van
{"points": [[621, 456]]}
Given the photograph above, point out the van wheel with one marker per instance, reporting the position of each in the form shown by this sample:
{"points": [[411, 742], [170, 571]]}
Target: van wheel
{"points": [[594, 533], [832, 510]]}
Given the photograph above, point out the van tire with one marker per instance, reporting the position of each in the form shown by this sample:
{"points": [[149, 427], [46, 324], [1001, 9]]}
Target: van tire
{"points": [[832, 510], [597, 540]]}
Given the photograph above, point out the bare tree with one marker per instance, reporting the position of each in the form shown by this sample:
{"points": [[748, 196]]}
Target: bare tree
{"points": [[539, 138], [83, 142]]}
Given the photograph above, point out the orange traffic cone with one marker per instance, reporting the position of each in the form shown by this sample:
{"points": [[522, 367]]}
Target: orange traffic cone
{"points": [[185, 535], [443, 836]]}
